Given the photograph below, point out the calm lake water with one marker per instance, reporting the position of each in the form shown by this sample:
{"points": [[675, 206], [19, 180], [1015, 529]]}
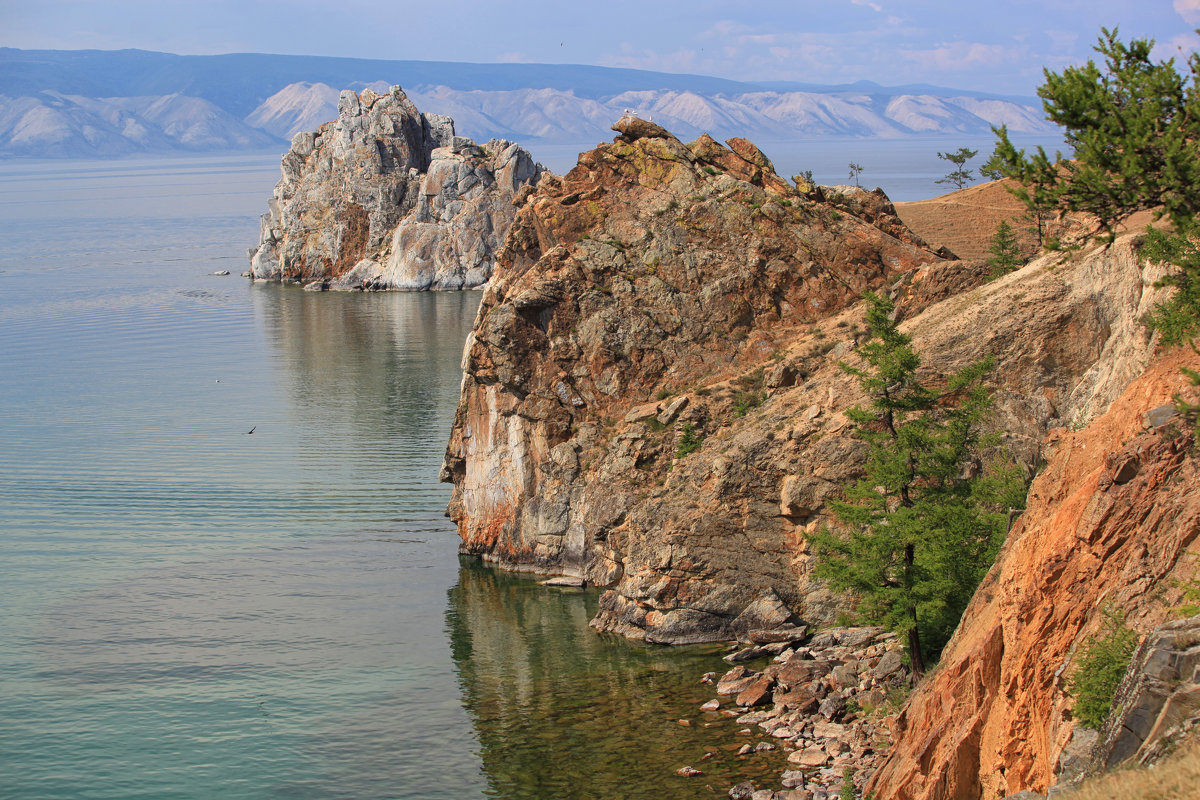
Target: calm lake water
{"points": [[193, 611]]}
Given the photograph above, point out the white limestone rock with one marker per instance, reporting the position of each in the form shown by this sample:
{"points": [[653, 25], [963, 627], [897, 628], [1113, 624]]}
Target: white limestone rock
{"points": [[385, 197]]}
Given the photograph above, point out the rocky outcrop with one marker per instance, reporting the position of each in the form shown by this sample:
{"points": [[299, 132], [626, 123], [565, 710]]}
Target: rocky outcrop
{"points": [[653, 401], [1113, 522], [385, 197], [653, 269]]}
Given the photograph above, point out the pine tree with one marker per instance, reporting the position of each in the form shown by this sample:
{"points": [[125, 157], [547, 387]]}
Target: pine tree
{"points": [[1006, 253], [1134, 127], [1037, 181], [960, 176], [855, 171], [919, 532]]}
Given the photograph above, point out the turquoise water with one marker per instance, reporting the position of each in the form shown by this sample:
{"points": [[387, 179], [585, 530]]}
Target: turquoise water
{"points": [[194, 611]]}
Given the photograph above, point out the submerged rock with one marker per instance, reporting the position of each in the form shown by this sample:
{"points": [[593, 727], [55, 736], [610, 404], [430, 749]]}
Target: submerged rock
{"points": [[385, 197]]}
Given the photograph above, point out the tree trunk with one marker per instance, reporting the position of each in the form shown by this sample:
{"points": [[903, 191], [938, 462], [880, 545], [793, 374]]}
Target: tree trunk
{"points": [[914, 636], [914, 655]]}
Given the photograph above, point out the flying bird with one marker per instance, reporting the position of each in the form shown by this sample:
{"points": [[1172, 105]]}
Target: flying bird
{"points": [[251, 430]]}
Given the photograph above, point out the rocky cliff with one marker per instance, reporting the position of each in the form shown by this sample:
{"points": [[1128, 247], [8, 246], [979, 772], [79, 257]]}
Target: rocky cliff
{"points": [[652, 399], [385, 197], [1113, 522]]}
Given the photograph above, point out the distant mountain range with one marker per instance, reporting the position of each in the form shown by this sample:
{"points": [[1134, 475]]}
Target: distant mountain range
{"points": [[99, 103]]}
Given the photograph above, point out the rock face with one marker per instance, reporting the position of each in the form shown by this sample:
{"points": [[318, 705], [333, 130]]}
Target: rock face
{"points": [[1110, 523], [385, 197], [652, 398], [653, 269]]}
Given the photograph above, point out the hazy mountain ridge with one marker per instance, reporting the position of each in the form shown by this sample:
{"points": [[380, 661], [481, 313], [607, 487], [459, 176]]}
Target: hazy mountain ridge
{"points": [[99, 103], [554, 115], [51, 124]]}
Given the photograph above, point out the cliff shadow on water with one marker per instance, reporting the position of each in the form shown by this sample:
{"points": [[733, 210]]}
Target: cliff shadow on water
{"points": [[561, 711]]}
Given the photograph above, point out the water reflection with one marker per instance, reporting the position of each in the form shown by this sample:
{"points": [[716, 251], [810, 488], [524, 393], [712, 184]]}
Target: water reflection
{"points": [[356, 355], [563, 712]]}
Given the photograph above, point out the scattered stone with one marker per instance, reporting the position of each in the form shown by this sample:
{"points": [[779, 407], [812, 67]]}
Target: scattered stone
{"points": [[832, 707], [794, 794], [762, 746], [1158, 417], [668, 414], [220, 272], [743, 791], [845, 676], [570, 581], [891, 663], [1125, 470], [688, 772], [687, 723], [745, 750], [784, 633], [711, 705], [763, 794], [1025, 794], [793, 779], [757, 651], [756, 693], [645, 411], [809, 757]]}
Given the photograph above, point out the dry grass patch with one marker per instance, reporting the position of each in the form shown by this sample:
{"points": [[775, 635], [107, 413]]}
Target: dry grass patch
{"points": [[1175, 778]]}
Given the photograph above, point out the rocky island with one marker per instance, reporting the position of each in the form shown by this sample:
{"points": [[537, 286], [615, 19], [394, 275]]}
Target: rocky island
{"points": [[385, 197]]}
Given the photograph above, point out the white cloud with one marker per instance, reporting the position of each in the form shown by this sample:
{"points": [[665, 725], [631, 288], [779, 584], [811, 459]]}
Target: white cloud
{"points": [[1188, 9], [1177, 47], [873, 6], [956, 55]]}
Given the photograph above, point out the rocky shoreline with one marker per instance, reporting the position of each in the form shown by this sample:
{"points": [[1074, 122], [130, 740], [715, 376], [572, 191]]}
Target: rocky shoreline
{"points": [[823, 700]]}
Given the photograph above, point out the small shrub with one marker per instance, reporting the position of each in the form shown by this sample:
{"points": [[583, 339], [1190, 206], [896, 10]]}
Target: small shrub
{"points": [[1006, 254], [847, 792], [689, 441], [745, 401], [1103, 660]]}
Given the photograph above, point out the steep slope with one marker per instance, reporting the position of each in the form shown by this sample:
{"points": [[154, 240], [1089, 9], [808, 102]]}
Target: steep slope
{"points": [[653, 400], [385, 197], [1113, 522]]}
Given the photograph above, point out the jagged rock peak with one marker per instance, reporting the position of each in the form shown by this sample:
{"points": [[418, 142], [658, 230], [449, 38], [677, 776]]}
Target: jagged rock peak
{"points": [[385, 197], [629, 298]]}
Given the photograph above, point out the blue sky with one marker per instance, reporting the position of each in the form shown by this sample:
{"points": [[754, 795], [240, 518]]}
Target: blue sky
{"points": [[994, 46]]}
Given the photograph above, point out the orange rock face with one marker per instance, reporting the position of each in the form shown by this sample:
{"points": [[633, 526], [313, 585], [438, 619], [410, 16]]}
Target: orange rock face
{"points": [[1108, 524]]}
